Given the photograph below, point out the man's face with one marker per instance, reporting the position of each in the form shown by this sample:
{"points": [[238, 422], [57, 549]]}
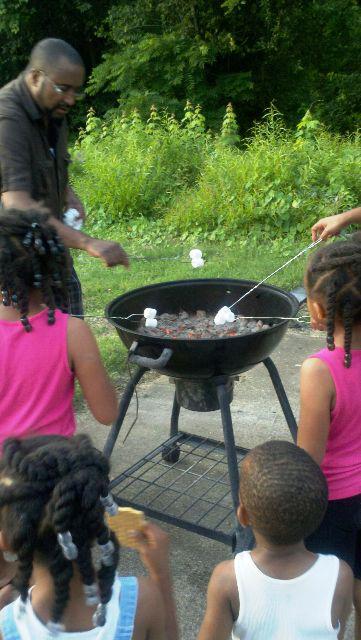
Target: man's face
{"points": [[57, 91]]}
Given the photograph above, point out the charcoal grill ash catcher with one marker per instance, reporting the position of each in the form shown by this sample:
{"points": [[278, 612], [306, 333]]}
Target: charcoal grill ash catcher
{"points": [[192, 481]]}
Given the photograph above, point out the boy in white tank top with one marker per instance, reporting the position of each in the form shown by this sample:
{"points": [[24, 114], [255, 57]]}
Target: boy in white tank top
{"points": [[279, 590]]}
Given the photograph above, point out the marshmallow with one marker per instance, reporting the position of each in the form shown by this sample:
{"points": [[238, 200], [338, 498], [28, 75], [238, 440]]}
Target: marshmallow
{"points": [[197, 262], [149, 312], [195, 254], [224, 315], [151, 322], [72, 219]]}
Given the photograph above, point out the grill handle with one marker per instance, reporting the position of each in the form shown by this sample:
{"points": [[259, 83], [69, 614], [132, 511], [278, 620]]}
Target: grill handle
{"points": [[300, 294], [149, 363]]}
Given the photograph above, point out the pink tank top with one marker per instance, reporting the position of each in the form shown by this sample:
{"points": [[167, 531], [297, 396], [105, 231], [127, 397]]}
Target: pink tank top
{"points": [[36, 382], [342, 462]]}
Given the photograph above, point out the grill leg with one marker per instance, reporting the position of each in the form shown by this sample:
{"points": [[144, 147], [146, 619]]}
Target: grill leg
{"points": [[243, 537], [123, 408], [229, 443], [282, 397], [174, 417]]}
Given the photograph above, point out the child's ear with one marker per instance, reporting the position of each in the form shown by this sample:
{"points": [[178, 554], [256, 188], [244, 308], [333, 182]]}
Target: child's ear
{"points": [[317, 313], [242, 515], [4, 546]]}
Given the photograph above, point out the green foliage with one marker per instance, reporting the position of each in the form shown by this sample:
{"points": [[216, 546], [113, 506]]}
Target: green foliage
{"points": [[124, 168], [250, 52], [193, 183], [25, 22], [277, 186]]}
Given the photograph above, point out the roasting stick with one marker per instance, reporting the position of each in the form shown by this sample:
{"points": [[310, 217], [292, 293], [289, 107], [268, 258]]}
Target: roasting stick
{"points": [[310, 246]]}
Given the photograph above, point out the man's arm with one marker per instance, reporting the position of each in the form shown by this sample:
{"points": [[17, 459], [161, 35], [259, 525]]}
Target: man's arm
{"points": [[16, 187], [110, 252]]}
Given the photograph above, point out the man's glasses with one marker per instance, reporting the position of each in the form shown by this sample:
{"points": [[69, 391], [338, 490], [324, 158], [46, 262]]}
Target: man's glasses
{"points": [[63, 89]]}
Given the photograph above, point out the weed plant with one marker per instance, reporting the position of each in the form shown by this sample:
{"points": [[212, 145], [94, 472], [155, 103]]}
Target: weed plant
{"points": [[171, 178]]}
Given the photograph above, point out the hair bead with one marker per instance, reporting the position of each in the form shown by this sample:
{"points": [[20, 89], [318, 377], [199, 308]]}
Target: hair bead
{"points": [[69, 549], [99, 617], [26, 324]]}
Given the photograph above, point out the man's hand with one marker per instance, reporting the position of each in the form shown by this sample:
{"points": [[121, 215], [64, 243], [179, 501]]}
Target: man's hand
{"points": [[110, 252], [328, 227]]}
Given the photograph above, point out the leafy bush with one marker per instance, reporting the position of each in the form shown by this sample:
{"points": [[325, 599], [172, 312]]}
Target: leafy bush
{"points": [[193, 183], [124, 168]]}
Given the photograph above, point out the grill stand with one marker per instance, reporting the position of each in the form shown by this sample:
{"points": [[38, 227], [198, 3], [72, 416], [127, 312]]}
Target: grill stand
{"points": [[167, 459]]}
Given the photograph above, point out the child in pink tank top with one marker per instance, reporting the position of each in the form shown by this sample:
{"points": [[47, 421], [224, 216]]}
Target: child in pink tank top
{"points": [[43, 350], [330, 411]]}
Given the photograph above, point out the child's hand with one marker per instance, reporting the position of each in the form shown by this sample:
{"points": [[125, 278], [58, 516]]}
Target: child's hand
{"points": [[154, 549], [328, 227]]}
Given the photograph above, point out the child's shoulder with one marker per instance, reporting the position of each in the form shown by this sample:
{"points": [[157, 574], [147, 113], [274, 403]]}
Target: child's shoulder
{"points": [[223, 585]]}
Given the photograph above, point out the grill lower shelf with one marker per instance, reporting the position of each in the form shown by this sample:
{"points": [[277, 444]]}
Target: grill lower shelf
{"points": [[184, 482]]}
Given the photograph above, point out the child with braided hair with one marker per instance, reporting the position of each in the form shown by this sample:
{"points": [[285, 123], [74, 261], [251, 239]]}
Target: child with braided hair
{"points": [[330, 405], [53, 495], [42, 349]]}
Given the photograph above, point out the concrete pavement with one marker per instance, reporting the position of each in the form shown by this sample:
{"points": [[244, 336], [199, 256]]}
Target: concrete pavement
{"points": [[257, 417]]}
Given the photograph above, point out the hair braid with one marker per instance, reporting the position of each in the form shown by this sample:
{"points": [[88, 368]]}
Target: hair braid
{"points": [[62, 572], [347, 323], [330, 315], [32, 256], [52, 485], [334, 276]]}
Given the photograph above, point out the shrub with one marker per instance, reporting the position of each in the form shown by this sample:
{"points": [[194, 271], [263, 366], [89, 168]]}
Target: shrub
{"points": [[275, 185]]}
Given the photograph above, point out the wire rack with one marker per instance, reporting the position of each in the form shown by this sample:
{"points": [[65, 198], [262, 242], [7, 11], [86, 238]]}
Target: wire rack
{"points": [[185, 482]]}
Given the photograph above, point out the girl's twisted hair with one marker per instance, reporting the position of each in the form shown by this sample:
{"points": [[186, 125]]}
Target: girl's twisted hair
{"points": [[32, 256], [51, 485], [334, 274]]}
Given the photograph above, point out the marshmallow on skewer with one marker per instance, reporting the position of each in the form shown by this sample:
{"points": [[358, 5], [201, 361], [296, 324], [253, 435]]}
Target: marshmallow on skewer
{"points": [[151, 322], [195, 254], [224, 315], [197, 262], [150, 313]]}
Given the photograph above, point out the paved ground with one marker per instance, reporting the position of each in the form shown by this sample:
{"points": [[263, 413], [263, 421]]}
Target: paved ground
{"points": [[257, 417]]}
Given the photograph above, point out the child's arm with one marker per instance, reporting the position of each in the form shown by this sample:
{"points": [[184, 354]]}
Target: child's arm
{"points": [[332, 225], [222, 603], [154, 553], [342, 599], [317, 397], [85, 360]]}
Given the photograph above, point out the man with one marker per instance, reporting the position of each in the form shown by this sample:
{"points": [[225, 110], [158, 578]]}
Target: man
{"points": [[33, 148]]}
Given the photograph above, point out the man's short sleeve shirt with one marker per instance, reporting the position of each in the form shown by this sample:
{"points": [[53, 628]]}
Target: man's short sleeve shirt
{"points": [[27, 163]]}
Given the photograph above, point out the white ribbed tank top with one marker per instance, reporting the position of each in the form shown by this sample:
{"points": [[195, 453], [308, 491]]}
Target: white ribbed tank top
{"points": [[296, 609]]}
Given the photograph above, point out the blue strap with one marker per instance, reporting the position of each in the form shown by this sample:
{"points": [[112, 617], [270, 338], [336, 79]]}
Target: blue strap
{"points": [[128, 606], [8, 626]]}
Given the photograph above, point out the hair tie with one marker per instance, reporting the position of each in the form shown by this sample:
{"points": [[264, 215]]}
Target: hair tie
{"points": [[26, 324], [107, 553], [99, 617], [51, 316], [69, 549], [6, 298], [55, 628], [109, 504], [91, 594]]}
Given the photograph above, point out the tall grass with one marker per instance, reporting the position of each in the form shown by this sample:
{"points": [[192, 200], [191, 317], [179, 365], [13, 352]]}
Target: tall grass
{"points": [[275, 184]]}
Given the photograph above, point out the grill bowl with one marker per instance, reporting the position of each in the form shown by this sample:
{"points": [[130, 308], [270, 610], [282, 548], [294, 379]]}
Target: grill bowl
{"points": [[204, 358]]}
